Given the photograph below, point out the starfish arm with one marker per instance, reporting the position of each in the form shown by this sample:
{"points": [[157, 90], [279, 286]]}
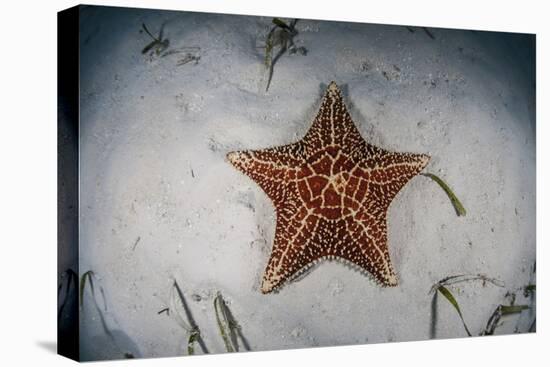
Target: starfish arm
{"points": [[368, 248], [390, 173], [292, 236], [272, 169], [332, 125]]}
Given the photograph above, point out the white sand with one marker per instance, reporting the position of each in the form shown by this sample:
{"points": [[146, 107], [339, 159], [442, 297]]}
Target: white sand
{"points": [[147, 126]]}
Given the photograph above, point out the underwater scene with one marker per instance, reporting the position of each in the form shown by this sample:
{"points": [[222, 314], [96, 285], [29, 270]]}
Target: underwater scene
{"points": [[252, 183]]}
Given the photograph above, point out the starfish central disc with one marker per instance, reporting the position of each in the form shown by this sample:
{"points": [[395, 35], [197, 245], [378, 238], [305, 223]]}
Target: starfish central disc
{"points": [[328, 185], [331, 191]]}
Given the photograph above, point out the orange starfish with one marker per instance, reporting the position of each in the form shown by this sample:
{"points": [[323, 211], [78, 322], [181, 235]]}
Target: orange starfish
{"points": [[331, 192]]}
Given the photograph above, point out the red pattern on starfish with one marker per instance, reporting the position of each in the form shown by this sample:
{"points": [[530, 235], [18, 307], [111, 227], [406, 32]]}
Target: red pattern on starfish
{"points": [[331, 191]]}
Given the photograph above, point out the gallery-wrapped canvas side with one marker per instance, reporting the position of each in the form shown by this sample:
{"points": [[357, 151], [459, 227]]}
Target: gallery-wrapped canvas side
{"points": [[67, 181]]}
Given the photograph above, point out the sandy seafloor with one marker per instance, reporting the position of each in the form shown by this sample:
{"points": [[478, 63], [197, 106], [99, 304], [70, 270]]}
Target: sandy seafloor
{"points": [[154, 137]]}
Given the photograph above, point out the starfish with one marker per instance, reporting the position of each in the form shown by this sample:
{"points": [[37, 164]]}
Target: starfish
{"points": [[331, 191]]}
